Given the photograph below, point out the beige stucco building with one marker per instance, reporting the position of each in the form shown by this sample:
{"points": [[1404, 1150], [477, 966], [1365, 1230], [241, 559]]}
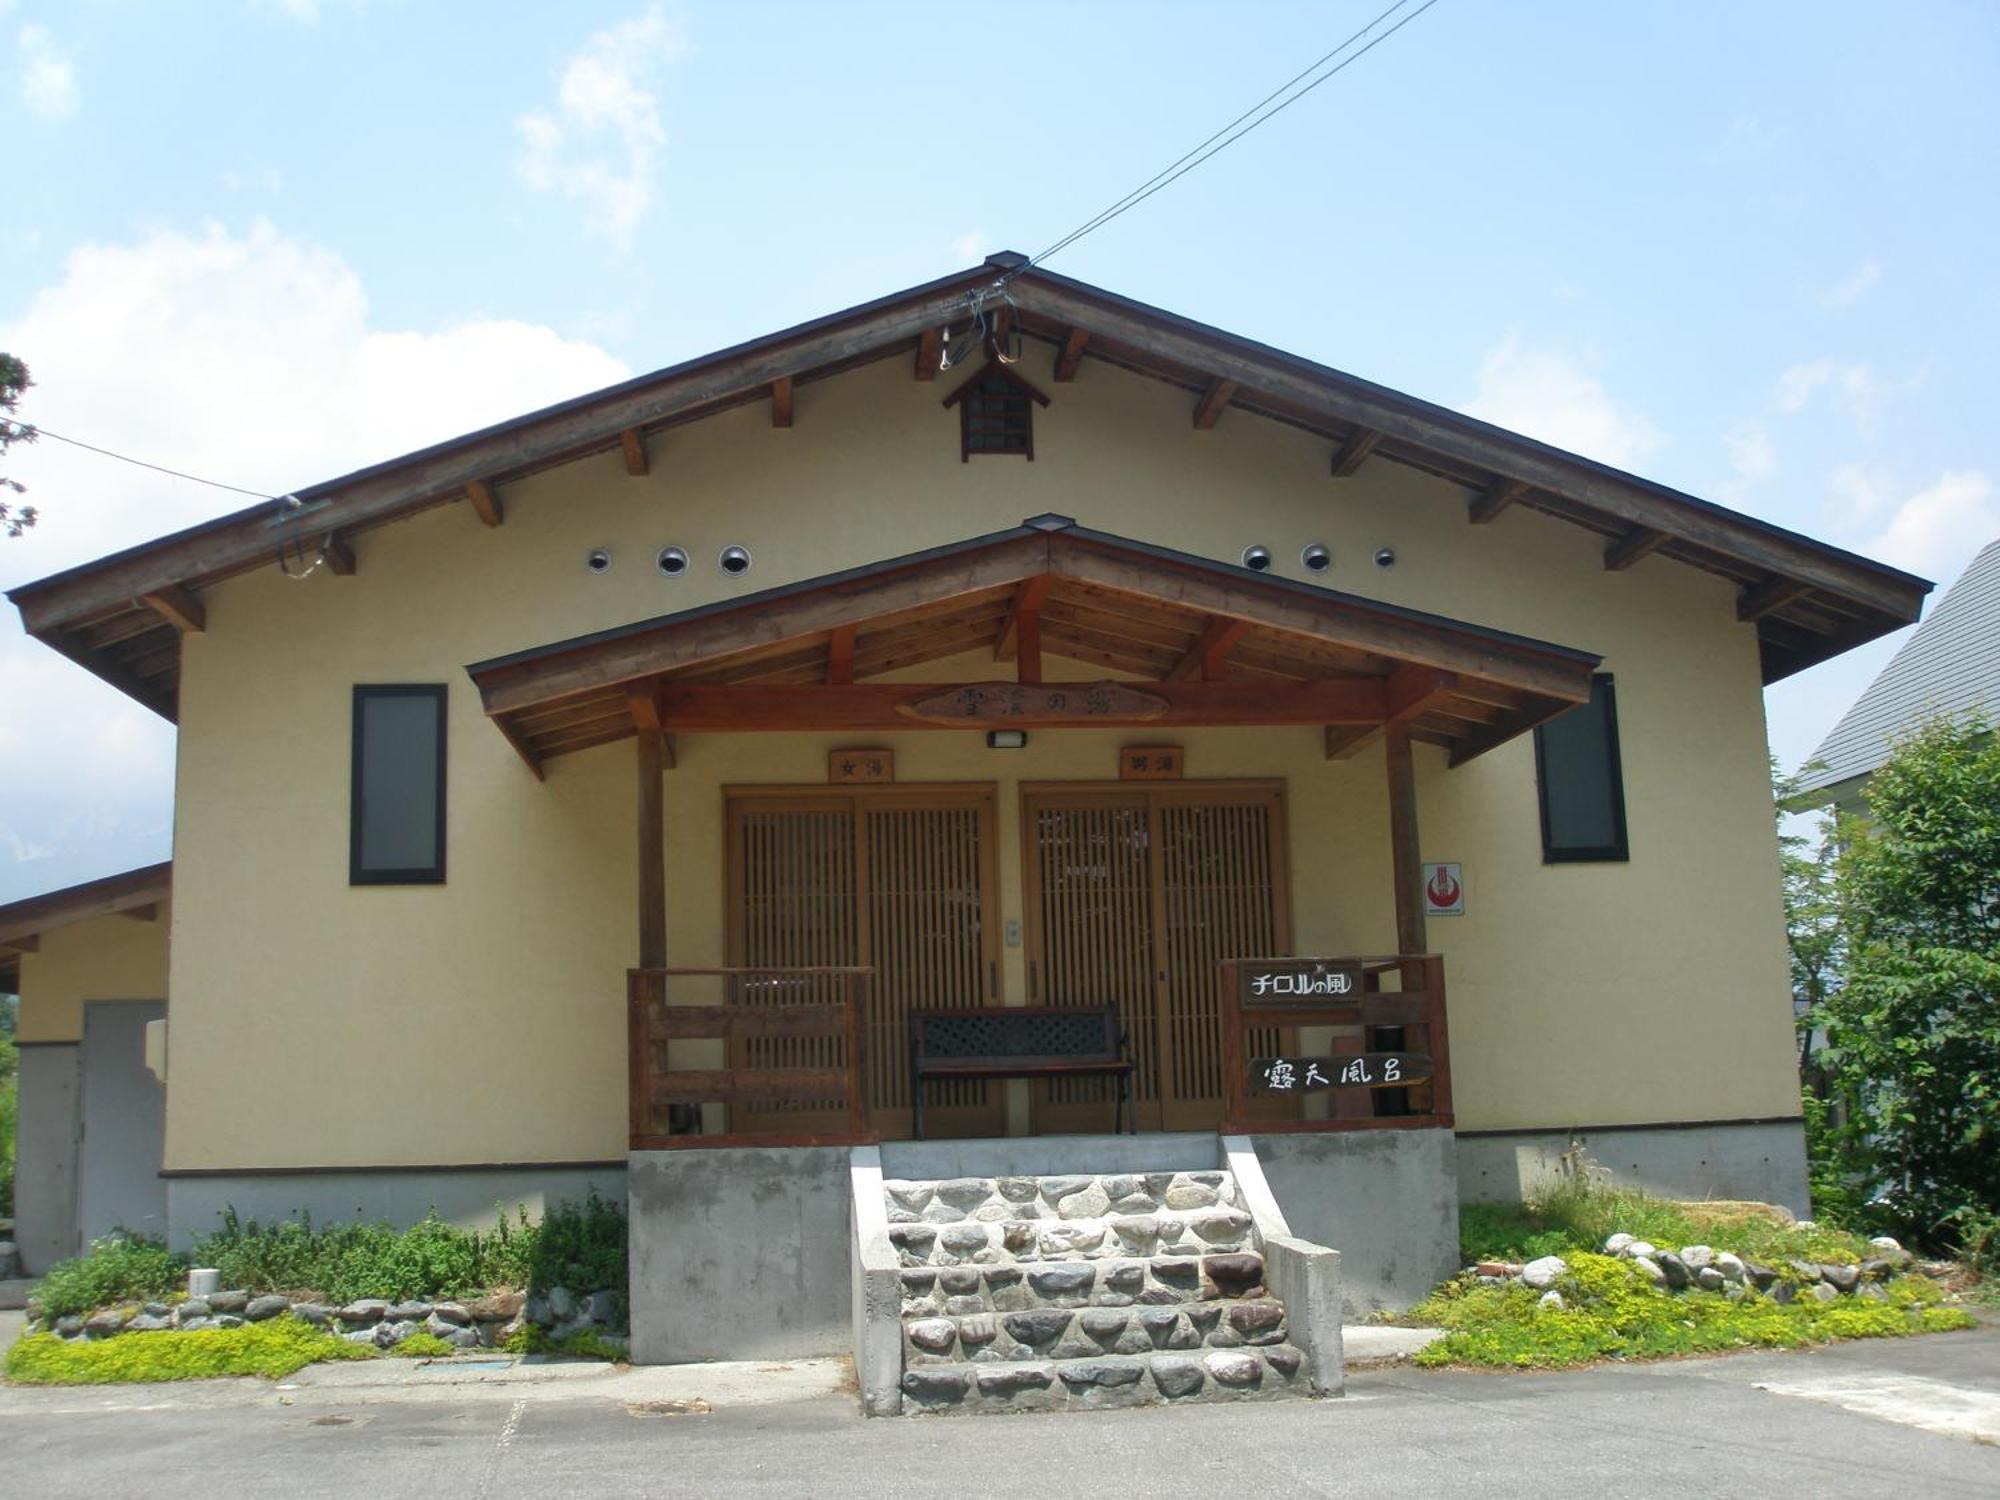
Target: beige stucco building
{"points": [[1372, 636]]}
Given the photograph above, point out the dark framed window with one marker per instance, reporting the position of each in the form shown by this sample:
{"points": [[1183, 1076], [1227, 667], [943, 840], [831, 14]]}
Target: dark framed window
{"points": [[996, 412], [1581, 783], [396, 807]]}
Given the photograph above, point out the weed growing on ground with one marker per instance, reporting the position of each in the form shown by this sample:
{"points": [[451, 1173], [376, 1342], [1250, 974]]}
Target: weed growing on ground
{"points": [[423, 1346], [117, 1269], [273, 1349], [1612, 1310]]}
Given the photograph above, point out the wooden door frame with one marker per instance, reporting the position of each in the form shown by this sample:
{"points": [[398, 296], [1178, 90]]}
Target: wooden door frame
{"points": [[1150, 793], [793, 796]]}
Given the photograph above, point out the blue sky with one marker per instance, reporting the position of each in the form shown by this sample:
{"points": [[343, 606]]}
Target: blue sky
{"points": [[1744, 249]]}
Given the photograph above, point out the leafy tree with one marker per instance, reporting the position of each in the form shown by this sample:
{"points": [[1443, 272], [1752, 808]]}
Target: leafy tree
{"points": [[14, 383], [1913, 1026]]}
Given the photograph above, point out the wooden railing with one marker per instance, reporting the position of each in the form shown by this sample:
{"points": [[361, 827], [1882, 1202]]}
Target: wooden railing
{"points": [[655, 1089], [1416, 1008]]}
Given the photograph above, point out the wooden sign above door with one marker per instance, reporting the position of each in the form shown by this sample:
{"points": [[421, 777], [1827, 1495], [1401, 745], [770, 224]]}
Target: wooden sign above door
{"points": [[980, 705], [1151, 763], [860, 767]]}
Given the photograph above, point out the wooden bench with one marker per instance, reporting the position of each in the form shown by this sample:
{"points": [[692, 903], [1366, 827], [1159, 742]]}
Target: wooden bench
{"points": [[1035, 1041]]}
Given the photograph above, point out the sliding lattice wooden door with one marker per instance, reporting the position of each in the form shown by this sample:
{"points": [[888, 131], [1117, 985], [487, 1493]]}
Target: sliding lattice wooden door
{"points": [[898, 877], [1134, 895]]}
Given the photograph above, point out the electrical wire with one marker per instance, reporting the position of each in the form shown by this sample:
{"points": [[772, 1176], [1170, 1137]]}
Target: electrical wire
{"points": [[27, 428], [1222, 139]]}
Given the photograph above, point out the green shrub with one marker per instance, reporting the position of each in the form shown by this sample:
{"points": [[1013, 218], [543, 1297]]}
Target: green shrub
{"points": [[423, 1346], [116, 1269], [577, 1245], [1613, 1311], [273, 1349]]}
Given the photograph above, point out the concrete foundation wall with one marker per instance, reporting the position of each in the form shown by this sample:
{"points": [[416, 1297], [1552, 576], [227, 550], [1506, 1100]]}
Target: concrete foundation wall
{"points": [[468, 1196], [45, 1156], [1050, 1155], [740, 1253], [1765, 1161], [1387, 1200]]}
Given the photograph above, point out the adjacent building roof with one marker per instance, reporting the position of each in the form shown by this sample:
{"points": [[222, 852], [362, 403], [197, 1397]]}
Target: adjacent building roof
{"points": [[123, 616], [1214, 643], [23, 922], [1951, 663]]}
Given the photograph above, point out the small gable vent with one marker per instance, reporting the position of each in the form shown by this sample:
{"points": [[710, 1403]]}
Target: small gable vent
{"points": [[996, 411]]}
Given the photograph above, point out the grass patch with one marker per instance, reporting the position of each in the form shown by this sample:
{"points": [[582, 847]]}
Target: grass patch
{"points": [[1576, 1216], [423, 1346], [117, 1269], [1613, 1311], [273, 1349]]}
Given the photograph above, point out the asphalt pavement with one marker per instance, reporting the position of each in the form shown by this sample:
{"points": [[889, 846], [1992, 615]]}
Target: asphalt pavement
{"points": [[1905, 1417]]}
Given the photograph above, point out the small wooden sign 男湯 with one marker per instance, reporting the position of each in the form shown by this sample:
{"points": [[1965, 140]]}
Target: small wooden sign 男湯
{"points": [[1151, 762], [1360, 1070]]}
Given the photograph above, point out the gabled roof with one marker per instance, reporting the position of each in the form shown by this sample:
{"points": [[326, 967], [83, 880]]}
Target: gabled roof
{"points": [[23, 922], [1215, 642], [1951, 663], [122, 616]]}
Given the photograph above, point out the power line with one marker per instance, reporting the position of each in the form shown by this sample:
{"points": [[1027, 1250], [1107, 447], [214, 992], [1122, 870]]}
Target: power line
{"points": [[1224, 138], [31, 429]]}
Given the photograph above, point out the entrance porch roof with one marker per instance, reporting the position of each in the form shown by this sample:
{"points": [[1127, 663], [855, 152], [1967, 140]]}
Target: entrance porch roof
{"points": [[1194, 641]]}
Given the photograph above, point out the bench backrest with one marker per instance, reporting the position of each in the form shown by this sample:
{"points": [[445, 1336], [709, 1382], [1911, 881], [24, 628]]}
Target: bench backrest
{"points": [[1019, 1035]]}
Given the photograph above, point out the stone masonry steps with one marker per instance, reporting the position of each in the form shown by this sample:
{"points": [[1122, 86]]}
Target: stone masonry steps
{"points": [[1027, 1293]]}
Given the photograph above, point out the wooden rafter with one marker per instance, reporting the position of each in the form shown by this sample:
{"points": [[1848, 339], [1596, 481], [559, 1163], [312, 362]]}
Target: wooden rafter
{"points": [[1028, 645], [1349, 455], [1070, 360], [633, 443], [27, 942], [485, 502], [1213, 400], [338, 555], [930, 350], [1771, 595], [840, 655], [1208, 659], [1496, 497], [1629, 548], [1410, 693], [178, 608], [781, 401]]}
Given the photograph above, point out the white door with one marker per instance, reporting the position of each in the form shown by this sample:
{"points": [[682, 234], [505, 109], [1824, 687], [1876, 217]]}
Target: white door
{"points": [[123, 1122]]}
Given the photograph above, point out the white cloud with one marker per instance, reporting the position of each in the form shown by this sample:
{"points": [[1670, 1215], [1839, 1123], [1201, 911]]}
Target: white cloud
{"points": [[1853, 383], [1545, 394], [969, 248], [1848, 292], [249, 358], [601, 143], [1750, 452], [48, 77], [1937, 529]]}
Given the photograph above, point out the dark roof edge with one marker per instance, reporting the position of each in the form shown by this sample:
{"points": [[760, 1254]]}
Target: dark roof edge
{"points": [[17, 917]]}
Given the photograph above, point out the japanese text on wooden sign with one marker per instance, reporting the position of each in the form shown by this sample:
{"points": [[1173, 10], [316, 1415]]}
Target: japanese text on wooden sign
{"points": [[1015, 702], [1361, 1070], [1298, 981]]}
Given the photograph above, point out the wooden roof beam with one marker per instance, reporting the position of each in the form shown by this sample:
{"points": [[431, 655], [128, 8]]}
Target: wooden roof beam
{"points": [[1639, 542], [1349, 455], [1209, 657], [1344, 740], [178, 608], [1070, 360], [1768, 597], [930, 353], [1209, 409], [1496, 497], [485, 502], [26, 942], [781, 401], [337, 555], [633, 442], [1028, 597], [1411, 691]]}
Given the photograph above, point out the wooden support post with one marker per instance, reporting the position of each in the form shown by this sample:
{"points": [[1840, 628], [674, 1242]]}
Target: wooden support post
{"points": [[1405, 854], [840, 656], [485, 503], [930, 346], [1028, 645], [652, 851], [178, 608], [633, 443], [781, 401], [339, 557], [1496, 497], [1349, 455], [1209, 409], [1639, 542]]}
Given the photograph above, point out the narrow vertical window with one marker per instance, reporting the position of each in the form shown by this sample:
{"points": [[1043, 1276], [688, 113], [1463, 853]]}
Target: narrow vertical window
{"points": [[397, 810], [1582, 786], [996, 410]]}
